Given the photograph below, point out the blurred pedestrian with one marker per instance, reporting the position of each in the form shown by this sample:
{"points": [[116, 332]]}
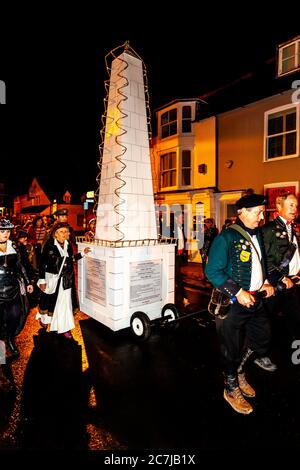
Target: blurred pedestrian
{"points": [[36, 236], [90, 234], [226, 224], [210, 233], [27, 255]]}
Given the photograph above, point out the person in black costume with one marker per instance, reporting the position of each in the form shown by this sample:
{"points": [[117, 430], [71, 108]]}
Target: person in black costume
{"points": [[14, 282], [26, 251], [210, 233], [283, 260]]}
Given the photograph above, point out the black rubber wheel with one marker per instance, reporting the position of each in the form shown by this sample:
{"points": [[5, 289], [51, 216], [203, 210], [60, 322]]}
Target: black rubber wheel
{"points": [[140, 326], [170, 310]]}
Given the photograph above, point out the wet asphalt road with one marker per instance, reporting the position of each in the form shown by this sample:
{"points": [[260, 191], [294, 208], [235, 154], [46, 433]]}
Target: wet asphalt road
{"points": [[107, 391]]}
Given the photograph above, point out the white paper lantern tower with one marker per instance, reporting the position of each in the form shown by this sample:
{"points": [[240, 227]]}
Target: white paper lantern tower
{"points": [[128, 278]]}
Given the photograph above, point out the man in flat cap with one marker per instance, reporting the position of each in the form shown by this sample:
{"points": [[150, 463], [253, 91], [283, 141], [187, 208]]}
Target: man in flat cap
{"points": [[62, 215], [236, 268], [283, 262]]}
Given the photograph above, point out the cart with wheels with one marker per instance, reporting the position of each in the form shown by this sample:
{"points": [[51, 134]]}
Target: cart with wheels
{"points": [[128, 285]]}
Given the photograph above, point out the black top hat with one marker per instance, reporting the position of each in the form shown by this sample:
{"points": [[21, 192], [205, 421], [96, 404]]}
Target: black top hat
{"points": [[6, 224], [61, 212], [251, 200]]}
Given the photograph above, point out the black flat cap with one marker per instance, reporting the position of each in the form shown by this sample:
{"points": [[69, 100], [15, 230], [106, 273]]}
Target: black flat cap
{"points": [[251, 200], [61, 212]]}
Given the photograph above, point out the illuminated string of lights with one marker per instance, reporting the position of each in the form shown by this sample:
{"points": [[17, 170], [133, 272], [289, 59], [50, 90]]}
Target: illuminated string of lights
{"points": [[118, 157], [106, 125]]}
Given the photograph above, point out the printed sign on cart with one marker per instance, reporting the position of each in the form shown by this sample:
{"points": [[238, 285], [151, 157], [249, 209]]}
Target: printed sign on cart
{"points": [[95, 285], [145, 282]]}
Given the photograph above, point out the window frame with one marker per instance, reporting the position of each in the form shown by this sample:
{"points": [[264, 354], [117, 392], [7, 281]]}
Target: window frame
{"points": [[182, 167], [296, 67], [167, 152], [268, 113], [168, 123], [184, 119]]}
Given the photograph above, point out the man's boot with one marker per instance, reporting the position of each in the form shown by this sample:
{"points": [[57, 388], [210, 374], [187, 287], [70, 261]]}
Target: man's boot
{"points": [[234, 396], [245, 387]]}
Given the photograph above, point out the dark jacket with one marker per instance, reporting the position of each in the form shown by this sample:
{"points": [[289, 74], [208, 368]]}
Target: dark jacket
{"points": [[276, 244], [11, 271], [209, 236], [24, 256], [51, 260], [229, 263], [13, 276]]}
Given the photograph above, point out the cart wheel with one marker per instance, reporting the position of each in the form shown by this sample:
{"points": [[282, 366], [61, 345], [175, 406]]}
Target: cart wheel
{"points": [[140, 326], [171, 311]]}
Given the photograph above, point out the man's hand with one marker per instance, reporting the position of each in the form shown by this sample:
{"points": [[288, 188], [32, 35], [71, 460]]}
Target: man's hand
{"points": [[288, 283], [268, 289], [245, 298], [29, 288]]}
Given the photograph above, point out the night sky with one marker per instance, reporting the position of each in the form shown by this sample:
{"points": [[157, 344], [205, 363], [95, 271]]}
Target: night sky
{"points": [[54, 71]]}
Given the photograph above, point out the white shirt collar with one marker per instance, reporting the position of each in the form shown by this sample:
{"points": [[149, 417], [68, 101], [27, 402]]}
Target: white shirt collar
{"points": [[9, 249], [62, 250], [283, 219]]}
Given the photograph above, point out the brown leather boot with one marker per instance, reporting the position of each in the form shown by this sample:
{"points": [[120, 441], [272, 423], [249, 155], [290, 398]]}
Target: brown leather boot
{"points": [[237, 401], [245, 387]]}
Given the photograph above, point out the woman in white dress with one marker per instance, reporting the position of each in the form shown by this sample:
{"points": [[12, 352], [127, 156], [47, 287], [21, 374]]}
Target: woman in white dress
{"points": [[57, 309]]}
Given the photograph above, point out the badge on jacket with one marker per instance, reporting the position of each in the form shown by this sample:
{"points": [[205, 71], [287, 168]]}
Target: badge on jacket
{"points": [[244, 256]]}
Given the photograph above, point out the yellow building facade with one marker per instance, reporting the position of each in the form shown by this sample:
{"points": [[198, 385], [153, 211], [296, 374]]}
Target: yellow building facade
{"points": [[184, 168], [203, 165]]}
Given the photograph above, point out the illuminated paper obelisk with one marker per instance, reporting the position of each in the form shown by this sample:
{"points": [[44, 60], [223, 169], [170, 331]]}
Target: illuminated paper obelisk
{"points": [[126, 208], [128, 277]]}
